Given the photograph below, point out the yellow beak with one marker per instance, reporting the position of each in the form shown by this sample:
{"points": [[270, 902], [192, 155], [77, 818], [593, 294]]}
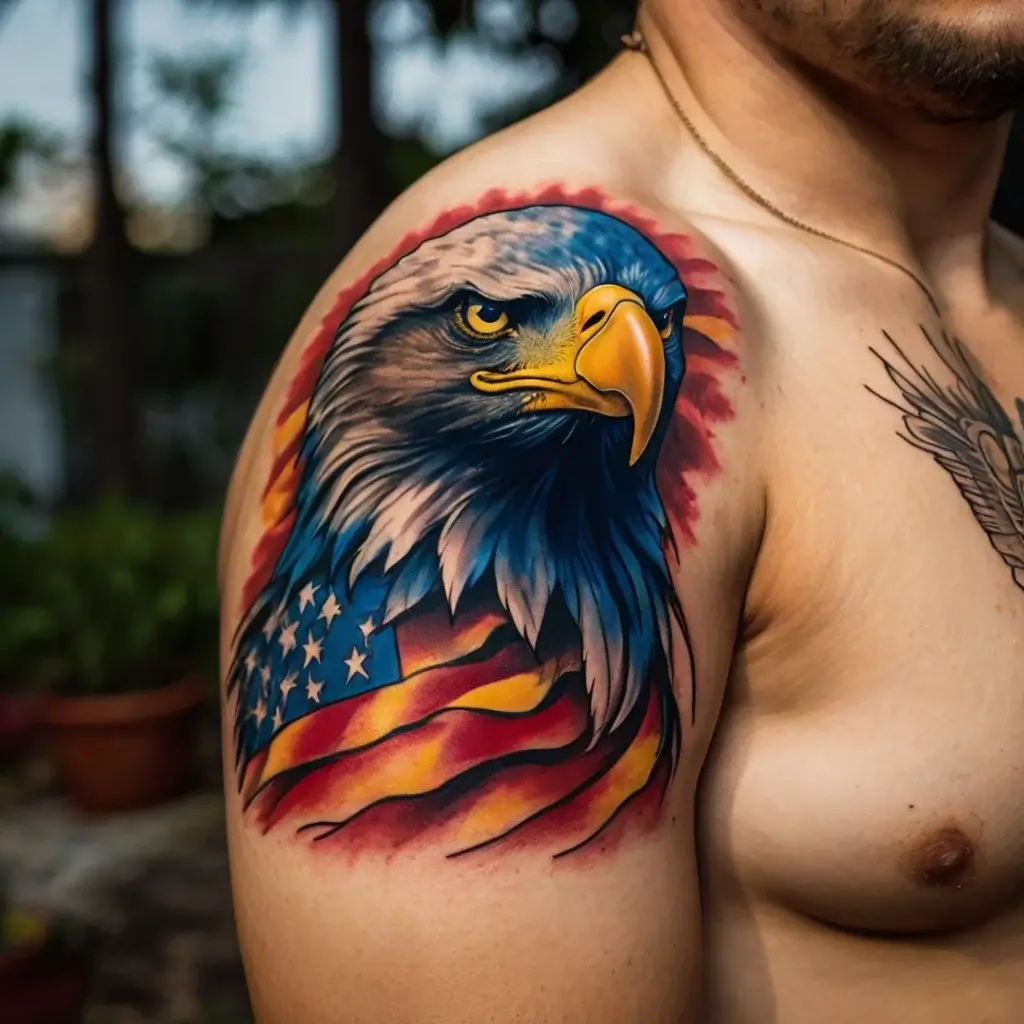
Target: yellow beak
{"points": [[613, 364]]}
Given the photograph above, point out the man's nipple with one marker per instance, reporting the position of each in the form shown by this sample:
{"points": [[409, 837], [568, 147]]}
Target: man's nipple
{"points": [[942, 859]]}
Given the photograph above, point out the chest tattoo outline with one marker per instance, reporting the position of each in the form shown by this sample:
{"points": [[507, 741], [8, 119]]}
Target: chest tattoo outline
{"points": [[967, 431]]}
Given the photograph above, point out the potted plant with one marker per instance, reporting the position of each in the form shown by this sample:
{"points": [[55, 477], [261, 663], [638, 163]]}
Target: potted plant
{"points": [[43, 976], [129, 602]]}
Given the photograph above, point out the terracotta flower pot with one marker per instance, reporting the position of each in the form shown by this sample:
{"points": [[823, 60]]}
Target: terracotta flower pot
{"points": [[19, 714], [124, 752]]}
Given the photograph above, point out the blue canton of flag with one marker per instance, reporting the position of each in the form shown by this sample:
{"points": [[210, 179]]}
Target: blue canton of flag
{"points": [[320, 648]]}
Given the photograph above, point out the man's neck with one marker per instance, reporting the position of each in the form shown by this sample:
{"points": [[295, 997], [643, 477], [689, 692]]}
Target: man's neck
{"points": [[868, 172]]}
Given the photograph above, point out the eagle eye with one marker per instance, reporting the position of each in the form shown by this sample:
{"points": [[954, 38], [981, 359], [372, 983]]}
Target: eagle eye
{"points": [[665, 321], [482, 319]]}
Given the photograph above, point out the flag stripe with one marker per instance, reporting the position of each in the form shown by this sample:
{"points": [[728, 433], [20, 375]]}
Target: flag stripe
{"points": [[277, 500], [572, 807], [430, 638], [511, 681], [555, 806], [252, 776], [267, 552], [417, 762]]}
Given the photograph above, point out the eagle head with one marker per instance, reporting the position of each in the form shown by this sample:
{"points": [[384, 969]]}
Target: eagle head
{"points": [[487, 421]]}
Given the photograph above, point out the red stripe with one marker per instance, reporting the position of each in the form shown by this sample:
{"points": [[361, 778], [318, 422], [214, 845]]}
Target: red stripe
{"points": [[252, 775], [430, 637], [265, 557], [342, 726], [423, 824], [577, 800], [462, 740], [574, 822], [428, 822]]}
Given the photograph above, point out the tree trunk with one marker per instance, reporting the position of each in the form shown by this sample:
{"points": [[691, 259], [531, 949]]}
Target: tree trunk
{"points": [[108, 293], [362, 176]]}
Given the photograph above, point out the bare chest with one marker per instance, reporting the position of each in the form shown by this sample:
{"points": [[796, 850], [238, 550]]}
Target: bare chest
{"points": [[869, 767]]}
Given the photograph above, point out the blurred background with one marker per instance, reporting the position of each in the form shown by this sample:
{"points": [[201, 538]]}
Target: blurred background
{"points": [[177, 177]]}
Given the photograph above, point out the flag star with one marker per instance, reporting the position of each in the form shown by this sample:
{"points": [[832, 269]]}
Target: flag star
{"points": [[269, 626], [259, 713], [330, 610], [278, 718], [286, 638], [250, 662], [307, 596], [313, 691], [314, 649], [287, 685], [367, 629], [355, 665]]}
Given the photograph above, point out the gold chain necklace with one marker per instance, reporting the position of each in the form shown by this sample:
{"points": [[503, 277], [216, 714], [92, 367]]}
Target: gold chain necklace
{"points": [[637, 43]]}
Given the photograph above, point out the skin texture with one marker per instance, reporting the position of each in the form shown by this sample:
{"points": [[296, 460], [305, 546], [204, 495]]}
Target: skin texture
{"points": [[845, 528], [946, 60]]}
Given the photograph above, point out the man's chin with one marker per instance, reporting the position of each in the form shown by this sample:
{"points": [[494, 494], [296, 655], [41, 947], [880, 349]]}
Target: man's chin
{"points": [[947, 73], [948, 62]]}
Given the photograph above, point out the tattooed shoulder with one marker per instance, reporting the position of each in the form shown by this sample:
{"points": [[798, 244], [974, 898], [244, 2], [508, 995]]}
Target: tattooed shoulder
{"points": [[459, 627]]}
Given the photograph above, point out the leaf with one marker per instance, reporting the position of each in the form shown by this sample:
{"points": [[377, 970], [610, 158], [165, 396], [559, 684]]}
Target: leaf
{"points": [[118, 598]]}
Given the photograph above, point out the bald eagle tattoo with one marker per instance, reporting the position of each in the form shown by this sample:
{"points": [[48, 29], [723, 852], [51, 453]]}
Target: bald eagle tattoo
{"points": [[465, 630], [965, 429]]}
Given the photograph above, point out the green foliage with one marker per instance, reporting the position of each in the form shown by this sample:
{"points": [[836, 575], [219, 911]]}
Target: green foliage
{"points": [[195, 95], [21, 142], [16, 499], [114, 599], [24, 628], [20, 624], [203, 84]]}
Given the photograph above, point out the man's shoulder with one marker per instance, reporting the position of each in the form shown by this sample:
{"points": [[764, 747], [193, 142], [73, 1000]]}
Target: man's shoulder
{"points": [[521, 212], [548, 160]]}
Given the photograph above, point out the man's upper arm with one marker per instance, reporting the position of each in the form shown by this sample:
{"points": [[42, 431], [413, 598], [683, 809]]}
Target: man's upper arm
{"points": [[485, 571]]}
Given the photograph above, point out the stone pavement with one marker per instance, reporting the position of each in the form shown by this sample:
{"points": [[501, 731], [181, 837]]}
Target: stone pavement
{"points": [[153, 890]]}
